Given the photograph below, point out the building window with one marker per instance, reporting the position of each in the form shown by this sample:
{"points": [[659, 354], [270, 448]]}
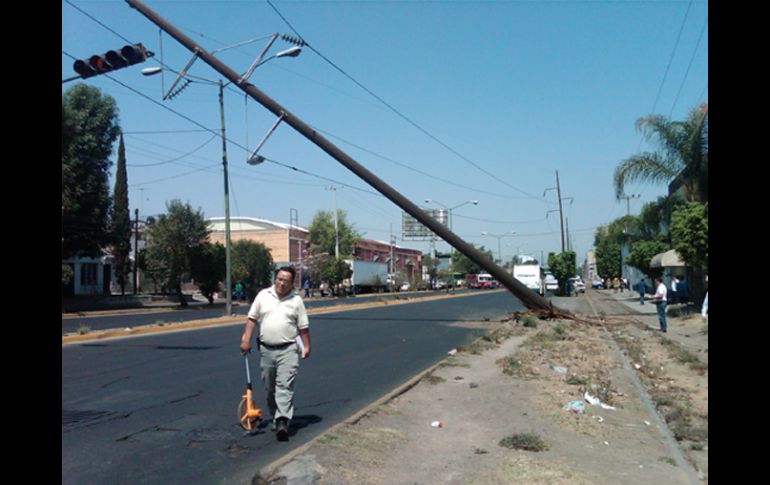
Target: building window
{"points": [[88, 274]]}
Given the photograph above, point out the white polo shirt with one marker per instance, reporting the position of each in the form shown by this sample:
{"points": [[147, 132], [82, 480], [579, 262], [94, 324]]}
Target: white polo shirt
{"points": [[662, 291], [280, 319]]}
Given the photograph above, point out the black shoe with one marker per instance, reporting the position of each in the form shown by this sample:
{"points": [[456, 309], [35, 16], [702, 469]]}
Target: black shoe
{"points": [[282, 429]]}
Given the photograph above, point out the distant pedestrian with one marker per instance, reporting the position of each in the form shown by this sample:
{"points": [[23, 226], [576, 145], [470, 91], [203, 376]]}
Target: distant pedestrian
{"points": [[682, 291], [306, 286], [674, 296], [704, 311], [660, 299], [641, 287]]}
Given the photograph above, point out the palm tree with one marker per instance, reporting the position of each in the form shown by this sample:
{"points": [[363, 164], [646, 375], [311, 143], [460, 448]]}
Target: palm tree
{"points": [[683, 155]]}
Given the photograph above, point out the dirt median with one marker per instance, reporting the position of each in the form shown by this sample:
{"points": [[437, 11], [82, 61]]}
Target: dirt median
{"points": [[514, 408]]}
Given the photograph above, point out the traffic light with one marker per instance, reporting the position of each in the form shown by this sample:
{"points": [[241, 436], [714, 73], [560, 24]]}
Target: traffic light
{"points": [[128, 55]]}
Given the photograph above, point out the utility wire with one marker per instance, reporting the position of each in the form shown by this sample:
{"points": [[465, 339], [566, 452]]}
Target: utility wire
{"points": [[397, 112], [96, 20], [695, 51], [671, 58], [173, 159], [408, 167]]}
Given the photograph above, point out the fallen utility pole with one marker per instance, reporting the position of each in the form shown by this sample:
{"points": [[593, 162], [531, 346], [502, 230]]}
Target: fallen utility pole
{"points": [[530, 299]]}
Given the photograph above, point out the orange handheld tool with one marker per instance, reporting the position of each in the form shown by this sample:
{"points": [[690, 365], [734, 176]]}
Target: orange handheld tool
{"points": [[249, 414]]}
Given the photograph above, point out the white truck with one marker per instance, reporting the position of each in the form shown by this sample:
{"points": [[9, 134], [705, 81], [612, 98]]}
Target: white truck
{"points": [[367, 277], [529, 275]]}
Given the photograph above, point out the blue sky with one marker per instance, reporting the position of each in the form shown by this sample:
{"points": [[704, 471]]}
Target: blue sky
{"points": [[516, 89]]}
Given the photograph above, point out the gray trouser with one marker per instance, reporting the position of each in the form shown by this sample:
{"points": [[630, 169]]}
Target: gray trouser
{"points": [[279, 369]]}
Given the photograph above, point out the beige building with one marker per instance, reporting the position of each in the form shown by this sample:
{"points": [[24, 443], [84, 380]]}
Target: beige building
{"points": [[289, 244], [283, 241]]}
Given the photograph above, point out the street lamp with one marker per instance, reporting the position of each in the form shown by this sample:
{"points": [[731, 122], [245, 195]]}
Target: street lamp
{"points": [[499, 237], [254, 159]]}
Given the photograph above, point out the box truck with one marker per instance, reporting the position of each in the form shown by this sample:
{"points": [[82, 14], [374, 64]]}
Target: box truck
{"points": [[367, 277]]}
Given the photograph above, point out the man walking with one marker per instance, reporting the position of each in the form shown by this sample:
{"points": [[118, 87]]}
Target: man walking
{"points": [[281, 315], [641, 287], [660, 300]]}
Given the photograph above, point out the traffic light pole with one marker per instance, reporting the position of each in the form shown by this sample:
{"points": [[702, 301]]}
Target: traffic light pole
{"points": [[529, 298]]}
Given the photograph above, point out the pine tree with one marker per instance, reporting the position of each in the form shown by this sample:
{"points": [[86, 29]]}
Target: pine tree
{"points": [[121, 221]]}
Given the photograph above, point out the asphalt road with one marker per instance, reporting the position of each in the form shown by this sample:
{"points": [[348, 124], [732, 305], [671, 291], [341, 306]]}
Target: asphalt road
{"points": [[161, 408], [146, 316]]}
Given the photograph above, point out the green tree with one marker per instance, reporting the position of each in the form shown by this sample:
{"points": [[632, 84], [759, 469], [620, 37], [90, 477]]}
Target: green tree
{"points": [[563, 267], [171, 241], [654, 220], [120, 221], [690, 234], [208, 268], [607, 242], [325, 267], [683, 154], [252, 264], [89, 129], [463, 264], [642, 252], [321, 234]]}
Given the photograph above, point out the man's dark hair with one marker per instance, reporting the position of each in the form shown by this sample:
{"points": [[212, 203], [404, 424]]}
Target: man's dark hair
{"points": [[288, 269]]}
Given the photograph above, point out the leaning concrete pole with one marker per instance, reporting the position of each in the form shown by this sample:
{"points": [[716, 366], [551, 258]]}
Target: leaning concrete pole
{"points": [[529, 298]]}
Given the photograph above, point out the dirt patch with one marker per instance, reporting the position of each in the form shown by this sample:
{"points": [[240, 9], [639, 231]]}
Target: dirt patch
{"points": [[519, 381]]}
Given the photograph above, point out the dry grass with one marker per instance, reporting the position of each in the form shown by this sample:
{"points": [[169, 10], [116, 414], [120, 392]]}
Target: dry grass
{"points": [[524, 441]]}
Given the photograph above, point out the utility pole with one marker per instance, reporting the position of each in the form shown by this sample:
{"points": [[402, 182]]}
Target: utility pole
{"points": [[392, 261], [530, 299], [136, 247], [228, 283], [561, 212], [294, 221], [623, 254], [628, 202], [336, 224]]}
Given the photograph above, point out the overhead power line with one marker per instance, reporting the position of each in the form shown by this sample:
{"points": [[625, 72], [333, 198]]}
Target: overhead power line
{"points": [[689, 65], [432, 176], [671, 58], [397, 112]]}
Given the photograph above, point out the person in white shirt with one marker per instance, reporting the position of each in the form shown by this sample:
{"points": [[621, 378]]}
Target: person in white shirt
{"points": [[660, 301], [283, 321], [704, 311]]}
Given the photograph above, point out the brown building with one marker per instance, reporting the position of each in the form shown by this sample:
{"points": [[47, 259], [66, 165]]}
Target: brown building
{"points": [[289, 244]]}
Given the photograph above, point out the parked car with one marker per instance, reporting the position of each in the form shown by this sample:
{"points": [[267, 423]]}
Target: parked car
{"points": [[577, 285], [551, 283], [597, 283]]}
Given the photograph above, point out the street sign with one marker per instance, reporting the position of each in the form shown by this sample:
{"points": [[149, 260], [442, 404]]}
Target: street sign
{"points": [[413, 230]]}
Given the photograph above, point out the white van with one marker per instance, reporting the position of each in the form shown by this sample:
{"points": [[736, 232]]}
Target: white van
{"points": [[529, 275]]}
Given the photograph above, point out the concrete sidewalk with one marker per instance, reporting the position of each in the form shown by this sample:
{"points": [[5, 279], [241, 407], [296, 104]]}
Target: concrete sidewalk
{"points": [[630, 299]]}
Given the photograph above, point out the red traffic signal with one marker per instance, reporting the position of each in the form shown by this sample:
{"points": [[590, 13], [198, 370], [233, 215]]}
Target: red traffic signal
{"points": [[128, 55]]}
